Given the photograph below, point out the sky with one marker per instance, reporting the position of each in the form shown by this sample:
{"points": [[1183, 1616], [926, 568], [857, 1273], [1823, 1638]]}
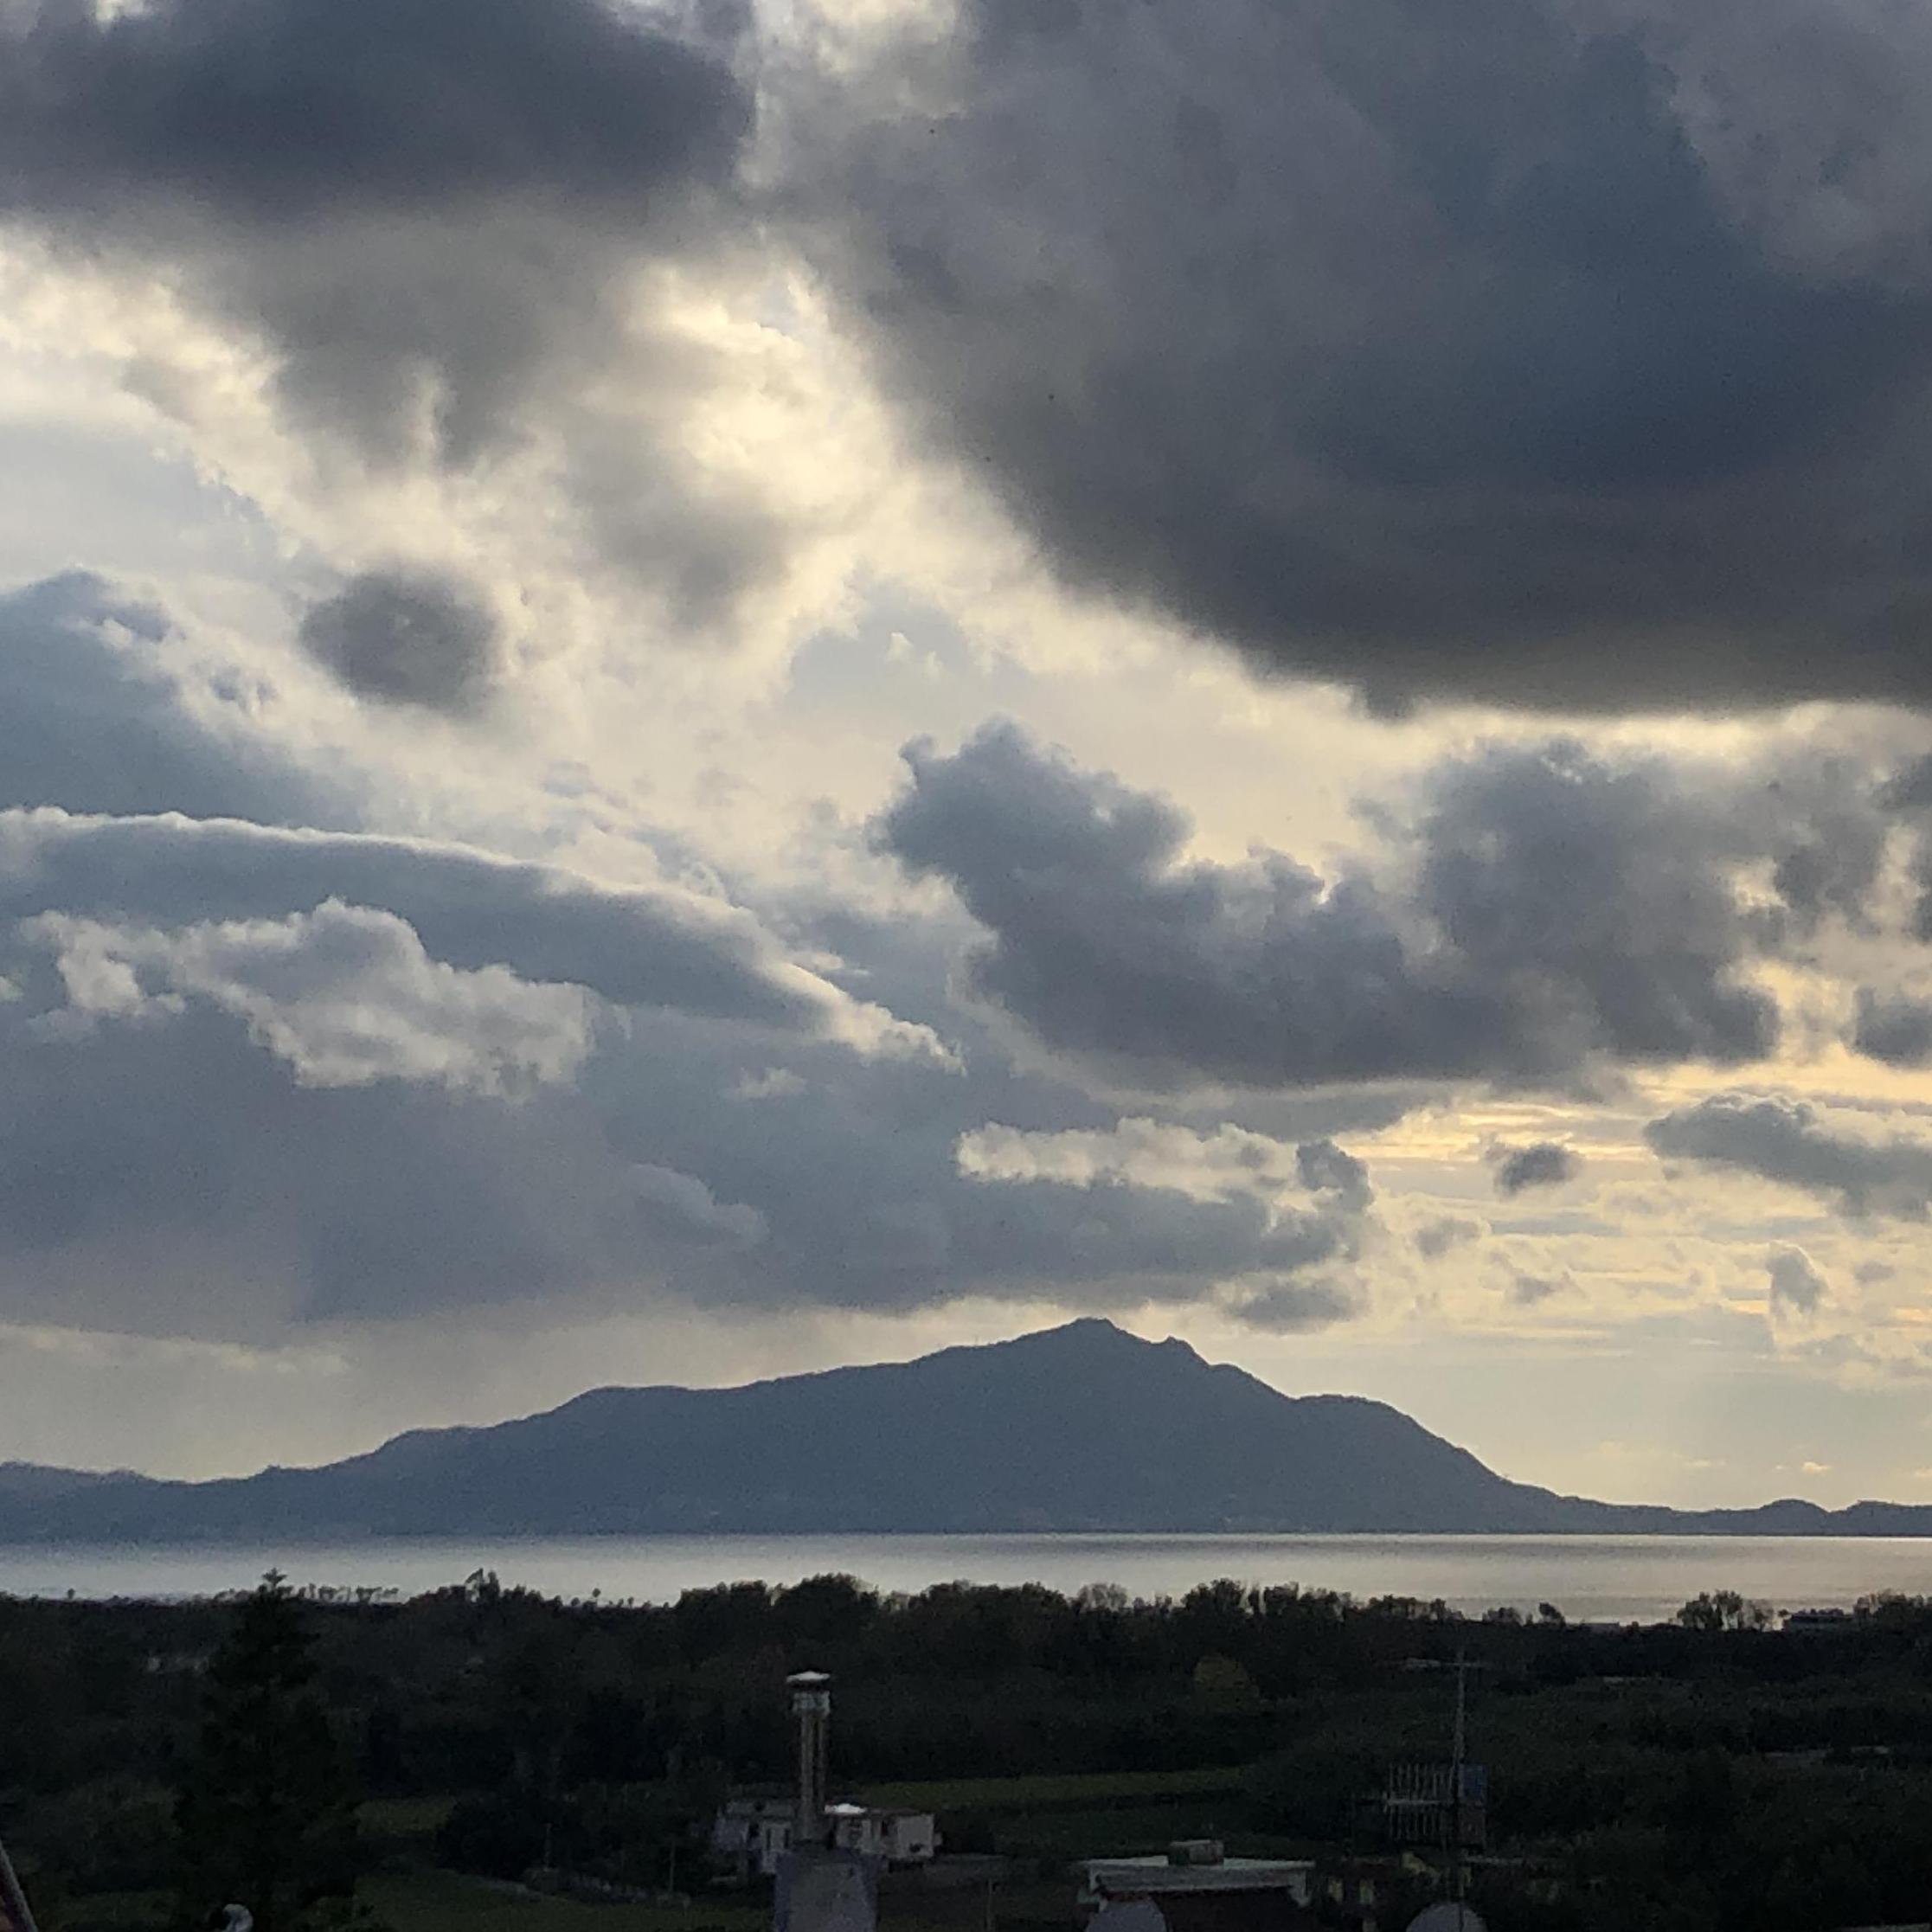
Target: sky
{"points": [[694, 691]]}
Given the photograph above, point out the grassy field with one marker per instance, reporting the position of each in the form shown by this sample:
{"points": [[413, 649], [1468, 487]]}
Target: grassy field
{"points": [[447, 1901], [406, 1818], [1070, 1791], [119, 1911]]}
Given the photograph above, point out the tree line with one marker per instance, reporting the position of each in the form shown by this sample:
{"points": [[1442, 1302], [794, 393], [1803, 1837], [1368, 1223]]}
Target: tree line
{"points": [[202, 1751]]}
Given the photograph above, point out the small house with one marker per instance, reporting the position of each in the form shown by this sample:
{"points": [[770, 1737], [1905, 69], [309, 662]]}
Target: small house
{"points": [[752, 1835], [901, 1837]]}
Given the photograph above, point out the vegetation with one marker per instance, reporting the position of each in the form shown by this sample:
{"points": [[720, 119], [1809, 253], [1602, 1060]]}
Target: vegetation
{"points": [[265, 1814], [1714, 1772]]}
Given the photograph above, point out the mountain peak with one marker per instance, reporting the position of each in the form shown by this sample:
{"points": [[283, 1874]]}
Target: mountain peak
{"points": [[1083, 1427], [1096, 1335]]}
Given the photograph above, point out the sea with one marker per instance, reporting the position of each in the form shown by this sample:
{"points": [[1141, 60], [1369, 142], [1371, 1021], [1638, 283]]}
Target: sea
{"points": [[1588, 1578]]}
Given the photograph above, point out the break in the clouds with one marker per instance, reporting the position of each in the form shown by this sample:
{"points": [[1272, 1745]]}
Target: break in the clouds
{"points": [[1561, 353], [1541, 1163], [1801, 1146], [1534, 912]]}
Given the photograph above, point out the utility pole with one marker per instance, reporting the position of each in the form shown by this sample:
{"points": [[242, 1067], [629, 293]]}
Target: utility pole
{"points": [[1457, 1755], [14, 1911]]}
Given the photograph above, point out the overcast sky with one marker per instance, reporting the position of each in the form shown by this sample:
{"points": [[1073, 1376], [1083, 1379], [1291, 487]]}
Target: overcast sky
{"points": [[687, 692]]}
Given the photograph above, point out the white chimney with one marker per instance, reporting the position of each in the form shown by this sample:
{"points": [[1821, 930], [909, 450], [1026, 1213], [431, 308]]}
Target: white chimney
{"points": [[812, 1705]]}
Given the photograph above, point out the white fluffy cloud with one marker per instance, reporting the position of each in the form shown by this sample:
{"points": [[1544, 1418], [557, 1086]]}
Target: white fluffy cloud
{"points": [[343, 995]]}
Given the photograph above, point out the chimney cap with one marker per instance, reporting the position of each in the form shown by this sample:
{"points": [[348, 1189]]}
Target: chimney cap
{"points": [[808, 1680]]}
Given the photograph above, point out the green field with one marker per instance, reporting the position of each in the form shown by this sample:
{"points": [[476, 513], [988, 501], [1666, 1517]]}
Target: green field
{"points": [[447, 1901], [1069, 1791], [406, 1818]]}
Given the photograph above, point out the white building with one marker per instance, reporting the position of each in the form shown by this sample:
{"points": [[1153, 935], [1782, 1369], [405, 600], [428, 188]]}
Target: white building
{"points": [[753, 1835], [898, 1837], [1193, 1869]]}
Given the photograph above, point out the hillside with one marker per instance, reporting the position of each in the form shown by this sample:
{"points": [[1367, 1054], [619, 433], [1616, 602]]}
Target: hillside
{"points": [[1082, 1428]]}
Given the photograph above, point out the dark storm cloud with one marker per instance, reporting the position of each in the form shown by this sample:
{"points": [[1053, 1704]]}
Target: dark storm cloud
{"points": [[1325, 1168], [1790, 1142], [1547, 352], [1541, 1164], [172, 1177], [856, 1168], [163, 1168], [273, 111], [1797, 1288], [1543, 913], [427, 208], [1297, 1307], [407, 637], [1094, 1242], [261, 1074], [1894, 1027]]}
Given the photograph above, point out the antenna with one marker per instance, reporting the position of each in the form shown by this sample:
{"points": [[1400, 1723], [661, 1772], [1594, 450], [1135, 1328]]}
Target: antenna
{"points": [[1458, 1753]]}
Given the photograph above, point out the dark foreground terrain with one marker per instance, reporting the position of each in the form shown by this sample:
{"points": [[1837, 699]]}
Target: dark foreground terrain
{"points": [[338, 1759]]}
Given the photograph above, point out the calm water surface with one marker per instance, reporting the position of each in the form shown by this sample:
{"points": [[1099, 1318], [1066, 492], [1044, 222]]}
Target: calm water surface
{"points": [[1621, 1578]]}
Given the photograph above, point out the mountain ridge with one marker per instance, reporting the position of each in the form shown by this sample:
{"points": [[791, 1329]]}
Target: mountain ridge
{"points": [[1079, 1428]]}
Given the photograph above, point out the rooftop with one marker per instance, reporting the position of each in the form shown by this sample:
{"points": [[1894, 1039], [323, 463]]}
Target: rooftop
{"points": [[1155, 1873]]}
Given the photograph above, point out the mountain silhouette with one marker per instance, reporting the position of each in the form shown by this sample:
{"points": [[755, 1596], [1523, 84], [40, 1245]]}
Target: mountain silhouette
{"points": [[1080, 1428]]}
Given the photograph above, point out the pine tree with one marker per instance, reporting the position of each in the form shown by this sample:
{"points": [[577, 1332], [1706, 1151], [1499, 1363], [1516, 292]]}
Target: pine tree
{"points": [[267, 1815]]}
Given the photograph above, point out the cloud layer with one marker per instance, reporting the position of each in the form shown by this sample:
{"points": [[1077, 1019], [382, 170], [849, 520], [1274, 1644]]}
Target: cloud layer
{"points": [[343, 996], [1553, 353], [266, 1074], [1537, 912], [274, 113], [1797, 1145], [454, 877]]}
